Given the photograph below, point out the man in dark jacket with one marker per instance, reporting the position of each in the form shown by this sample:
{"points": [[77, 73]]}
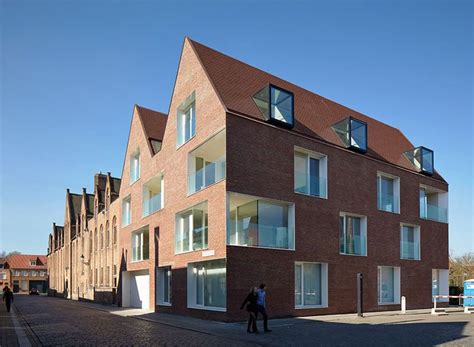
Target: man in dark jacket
{"points": [[7, 297], [261, 306]]}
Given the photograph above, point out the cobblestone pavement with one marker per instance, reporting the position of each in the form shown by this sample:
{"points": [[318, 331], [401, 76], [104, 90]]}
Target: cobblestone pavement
{"points": [[58, 321], [61, 322]]}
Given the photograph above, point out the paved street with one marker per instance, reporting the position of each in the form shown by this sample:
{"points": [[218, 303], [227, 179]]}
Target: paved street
{"points": [[52, 321]]}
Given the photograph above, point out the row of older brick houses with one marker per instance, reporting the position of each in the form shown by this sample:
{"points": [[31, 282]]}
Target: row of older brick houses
{"points": [[252, 179], [23, 272]]}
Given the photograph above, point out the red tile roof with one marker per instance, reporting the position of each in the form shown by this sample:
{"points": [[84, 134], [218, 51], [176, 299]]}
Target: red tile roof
{"points": [[23, 261], [236, 83], [154, 124]]}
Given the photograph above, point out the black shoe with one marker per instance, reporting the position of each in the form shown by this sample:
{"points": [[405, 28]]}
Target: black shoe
{"points": [[267, 330]]}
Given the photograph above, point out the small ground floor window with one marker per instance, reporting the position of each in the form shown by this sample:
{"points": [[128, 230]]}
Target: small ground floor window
{"points": [[163, 285], [311, 282], [207, 285], [388, 280]]}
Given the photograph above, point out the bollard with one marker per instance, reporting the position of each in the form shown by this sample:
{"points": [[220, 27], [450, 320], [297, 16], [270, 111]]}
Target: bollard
{"points": [[404, 305], [360, 295]]}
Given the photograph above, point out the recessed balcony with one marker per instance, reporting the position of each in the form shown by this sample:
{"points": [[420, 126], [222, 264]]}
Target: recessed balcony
{"points": [[433, 204], [207, 163], [259, 222]]}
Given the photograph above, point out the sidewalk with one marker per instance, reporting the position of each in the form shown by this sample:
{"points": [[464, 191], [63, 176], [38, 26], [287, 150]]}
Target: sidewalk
{"points": [[7, 329], [281, 327]]}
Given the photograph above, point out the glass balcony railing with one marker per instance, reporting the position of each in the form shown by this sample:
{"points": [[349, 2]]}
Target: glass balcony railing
{"points": [[209, 174], [388, 202], [152, 205], [410, 250], [433, 212], [310, 184], [259, 235]]}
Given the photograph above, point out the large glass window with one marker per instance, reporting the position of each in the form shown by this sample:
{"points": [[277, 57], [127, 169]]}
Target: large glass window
{"points": [[126, 211], [207, 285], [353, 133], [135, 166], [164, 285], [388, 193], [260, 223], [410, 242], [388, 285], [422, 159], [353, 234], [191, 229], [153, 197], [310, 285], [186, 122], [140, 245], [310, 173], [276, 104]]}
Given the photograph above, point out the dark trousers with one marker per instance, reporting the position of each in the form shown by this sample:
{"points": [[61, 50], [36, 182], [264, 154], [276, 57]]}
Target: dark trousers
{"points": [[261, 309], [8, 303], [252, 322]]}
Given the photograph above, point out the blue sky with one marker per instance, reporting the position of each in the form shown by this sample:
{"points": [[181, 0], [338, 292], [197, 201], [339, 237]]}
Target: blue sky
{"points": [[72, 71]]}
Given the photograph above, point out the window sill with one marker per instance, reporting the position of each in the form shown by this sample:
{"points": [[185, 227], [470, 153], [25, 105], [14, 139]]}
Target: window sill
{"points": [[410, 259], [168, 304], [312, 196], [138, 261], [194, 250], [353, 255], [152, 213], [210, 185], [306, 307], [393, 212], [261, 247], [433, 220], [182, 144], [208, 308], [388, 303]]}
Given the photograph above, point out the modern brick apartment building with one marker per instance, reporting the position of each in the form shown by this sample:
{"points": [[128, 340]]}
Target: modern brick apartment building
{"points": [[251, 179], [83, 254], [24, 272]]}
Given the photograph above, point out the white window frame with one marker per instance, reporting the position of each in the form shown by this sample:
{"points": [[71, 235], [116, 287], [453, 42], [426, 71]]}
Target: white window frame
{"points": [[33, 263], [163, 273], [188, 105], [134, 166], [396, 285], [140, 233], [324, 285], [127, 202], [416, 235], [323, 169], [192, 271], [24, 273], [180, 229], [363, 229], [396, 191], [442, 281]]}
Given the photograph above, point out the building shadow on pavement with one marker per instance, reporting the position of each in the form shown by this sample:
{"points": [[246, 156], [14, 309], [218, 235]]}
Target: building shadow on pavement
{"points": [[354, 332]]}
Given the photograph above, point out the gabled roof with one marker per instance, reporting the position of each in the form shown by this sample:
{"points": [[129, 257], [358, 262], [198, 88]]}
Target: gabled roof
{"points": [[75, 206], [90, 204], [23, 261], [153, 122], [236, 83]]}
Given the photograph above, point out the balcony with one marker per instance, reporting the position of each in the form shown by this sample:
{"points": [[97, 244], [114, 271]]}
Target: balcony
{"points": [[258, 222], [153, 199], [433, 204], [207, 163]]}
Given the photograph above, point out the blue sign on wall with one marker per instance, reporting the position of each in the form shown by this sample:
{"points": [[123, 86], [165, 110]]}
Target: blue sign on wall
{"points": [[469, 291]]}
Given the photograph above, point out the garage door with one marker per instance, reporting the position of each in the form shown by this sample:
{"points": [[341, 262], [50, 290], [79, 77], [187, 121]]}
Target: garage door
{"points": [[139, 290]]}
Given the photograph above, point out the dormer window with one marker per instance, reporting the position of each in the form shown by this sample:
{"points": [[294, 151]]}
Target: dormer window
{"points": [[422, 159], [353, 133], [33, 263], [276, 105]]}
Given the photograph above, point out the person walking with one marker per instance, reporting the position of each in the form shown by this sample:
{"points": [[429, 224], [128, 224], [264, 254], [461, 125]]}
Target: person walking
{"points": [[261, 306], [251, 299], [7, 297]]}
